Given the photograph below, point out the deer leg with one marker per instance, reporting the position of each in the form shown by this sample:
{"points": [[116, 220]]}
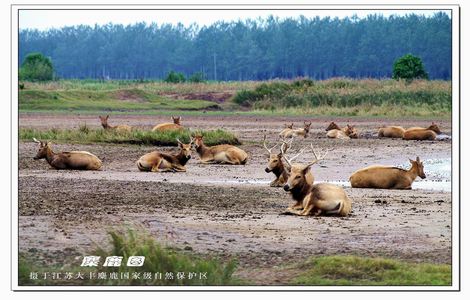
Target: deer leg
{"points": [[156, 167]]}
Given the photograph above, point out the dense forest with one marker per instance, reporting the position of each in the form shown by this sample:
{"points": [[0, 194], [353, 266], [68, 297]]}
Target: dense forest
{"points": [[258, 49]]}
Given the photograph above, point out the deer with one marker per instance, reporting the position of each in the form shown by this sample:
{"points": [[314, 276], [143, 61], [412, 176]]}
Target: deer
{"points": [[420, 134], [176, 125], [287, 129], [347, 132], [387, 177], [391, 131], [71, 160], [275, 164], [317, 199], [118, 128], [219, 154], [164, 162], [290, 132]]}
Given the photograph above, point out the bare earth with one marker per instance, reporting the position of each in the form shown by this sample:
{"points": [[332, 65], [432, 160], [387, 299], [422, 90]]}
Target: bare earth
{"points": [[231, 211]]}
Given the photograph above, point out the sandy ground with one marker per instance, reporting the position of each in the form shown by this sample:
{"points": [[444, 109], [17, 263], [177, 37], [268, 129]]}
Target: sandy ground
{"points": [[231, 211]]}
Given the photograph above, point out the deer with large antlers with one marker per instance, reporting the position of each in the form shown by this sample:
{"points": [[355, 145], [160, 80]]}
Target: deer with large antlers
{"points": [[275, 164], [73, 160], [118, 128], [320, 198], [164, 162]]}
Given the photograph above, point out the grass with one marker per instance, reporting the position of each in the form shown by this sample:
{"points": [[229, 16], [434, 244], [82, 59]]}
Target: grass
{"points": [[333, 97], [363, 271], [158, 259], [85, 135]]}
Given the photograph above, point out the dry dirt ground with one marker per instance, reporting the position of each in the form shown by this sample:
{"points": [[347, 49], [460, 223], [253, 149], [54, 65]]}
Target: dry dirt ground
{"points": [[230, 211]]}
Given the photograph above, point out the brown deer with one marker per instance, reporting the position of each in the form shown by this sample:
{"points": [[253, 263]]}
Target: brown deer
{"points": [[219, 154], [289, 132], [387, 177], [275, 164], [163, 162], [118, 128], [315, 198], [391, 131], [176, 125], [73, 160], [335, 132], [419, 133]]}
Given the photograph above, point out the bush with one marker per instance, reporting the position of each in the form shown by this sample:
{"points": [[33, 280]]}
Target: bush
{"points": [[197, 77], [409, 67], [36, 67], [175, 77]]}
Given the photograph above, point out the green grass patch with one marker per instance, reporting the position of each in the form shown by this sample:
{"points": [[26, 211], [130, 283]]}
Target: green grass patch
{"points": [[158, 260], [363, 271], [85, 135]]}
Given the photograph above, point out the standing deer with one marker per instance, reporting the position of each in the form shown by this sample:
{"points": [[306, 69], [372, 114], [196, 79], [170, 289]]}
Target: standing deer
{"points": [[289, 132], [118, 128], [73, 160], [315, 198], [387, 177], [419, 133], [219, 154], [391, 131], [163, 162], [275, 164], [176, 125]]}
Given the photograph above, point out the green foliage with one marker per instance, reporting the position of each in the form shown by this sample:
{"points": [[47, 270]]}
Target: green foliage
{"points": [[353, 270], [197, 77], [36, 67], [160, 259], [166, 138], [175, 77], [409, 67]]}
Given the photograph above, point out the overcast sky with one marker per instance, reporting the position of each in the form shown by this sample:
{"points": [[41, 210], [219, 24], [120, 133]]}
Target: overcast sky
{"points": [[45, 19]]}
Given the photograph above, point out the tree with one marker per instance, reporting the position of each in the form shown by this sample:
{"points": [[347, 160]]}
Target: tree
{"points": [[409, 67], [36, 67], [174, 77]]}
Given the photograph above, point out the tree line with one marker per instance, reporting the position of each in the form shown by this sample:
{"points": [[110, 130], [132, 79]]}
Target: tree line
{"points": [[259, 49]]}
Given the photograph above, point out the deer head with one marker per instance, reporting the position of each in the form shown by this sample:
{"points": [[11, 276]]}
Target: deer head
{"points": [[176, 120], [104, 121], [185, 149], [434, 128], [418, 165], [332, 126], [43, 149]]}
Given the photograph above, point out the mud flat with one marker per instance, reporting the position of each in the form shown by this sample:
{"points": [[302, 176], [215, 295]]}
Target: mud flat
{"points": [[231, 211]]}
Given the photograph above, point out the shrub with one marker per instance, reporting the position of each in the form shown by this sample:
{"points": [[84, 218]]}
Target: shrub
{"points": [[197, 77], [409, 67], [175, 77], [36, 67]]}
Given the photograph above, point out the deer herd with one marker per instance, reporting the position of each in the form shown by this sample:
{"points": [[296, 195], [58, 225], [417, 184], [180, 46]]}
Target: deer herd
{"points": [[310, 198]]}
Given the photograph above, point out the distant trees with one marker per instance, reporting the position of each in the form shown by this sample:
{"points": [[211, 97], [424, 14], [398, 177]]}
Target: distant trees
{"points": [[409, 67], [36, 67], [259, 49], [175, 77]]}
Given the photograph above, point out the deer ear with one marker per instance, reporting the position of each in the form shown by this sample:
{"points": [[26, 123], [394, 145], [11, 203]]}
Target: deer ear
{"points": [[417, 158], [411, 161], [107, 117], [306, 170]]}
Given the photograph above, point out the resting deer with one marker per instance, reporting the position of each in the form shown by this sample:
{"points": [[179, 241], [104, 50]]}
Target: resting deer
{"points": [[176, 125], [387, 177], [289, 132], [275, 164], [119, 128], [419, 133], [347, 132], [219, 154], [315, 198], [73, 160], [391, 131], [288, 128], [163, 162]]}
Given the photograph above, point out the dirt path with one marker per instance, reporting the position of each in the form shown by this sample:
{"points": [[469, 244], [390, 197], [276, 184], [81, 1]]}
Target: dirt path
{"points": [[231, 210]]}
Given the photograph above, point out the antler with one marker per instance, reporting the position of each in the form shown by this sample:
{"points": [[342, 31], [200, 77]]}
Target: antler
{"points": [[35, 140], [287, 145], [318, 157], [266, 147]]}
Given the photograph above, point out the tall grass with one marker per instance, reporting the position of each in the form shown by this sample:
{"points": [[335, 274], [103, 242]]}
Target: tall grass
{"points": [[354, 270], [347, 93], [166, 138]]}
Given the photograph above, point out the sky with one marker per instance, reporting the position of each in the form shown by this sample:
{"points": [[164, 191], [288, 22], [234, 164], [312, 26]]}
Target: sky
{"points": [[46, 19]]}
